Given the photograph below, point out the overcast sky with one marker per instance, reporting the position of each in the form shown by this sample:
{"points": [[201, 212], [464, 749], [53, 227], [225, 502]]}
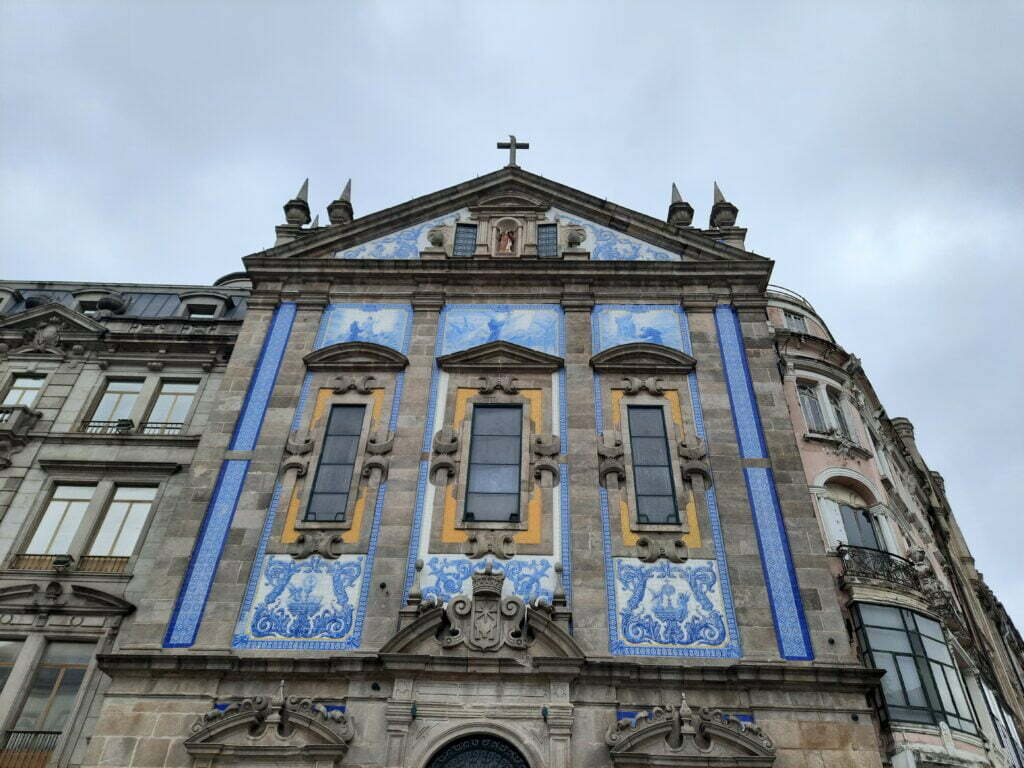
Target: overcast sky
{"points": [[875, 151]]}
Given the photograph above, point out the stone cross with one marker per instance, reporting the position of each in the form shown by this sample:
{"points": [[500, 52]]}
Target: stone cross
{"points": [[512, 145]]}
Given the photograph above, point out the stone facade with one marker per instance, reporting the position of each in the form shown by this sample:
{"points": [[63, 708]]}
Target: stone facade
{"points": [[650, 573]]}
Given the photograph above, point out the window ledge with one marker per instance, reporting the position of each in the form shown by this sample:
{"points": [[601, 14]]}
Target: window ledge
{"points": [[72, 438], [837, 444]]}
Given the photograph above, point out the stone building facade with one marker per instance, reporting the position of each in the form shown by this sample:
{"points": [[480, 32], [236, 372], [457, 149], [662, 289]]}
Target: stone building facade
{"points": [[505, 475]]}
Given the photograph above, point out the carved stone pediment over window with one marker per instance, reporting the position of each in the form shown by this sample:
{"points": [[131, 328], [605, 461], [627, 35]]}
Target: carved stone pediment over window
{"points": [[642, 358], [290, 730], [50, 329], [40, 605], [356, 356], [679, 736], [497, 357]]}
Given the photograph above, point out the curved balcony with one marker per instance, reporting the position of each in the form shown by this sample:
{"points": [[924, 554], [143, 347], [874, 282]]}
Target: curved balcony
{"points": [[878, 565]]}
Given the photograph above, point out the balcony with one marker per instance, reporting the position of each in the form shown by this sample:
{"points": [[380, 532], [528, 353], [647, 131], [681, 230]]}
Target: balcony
{"points": [[66, 563], [161, 428], [876, 565], [119, 427], [27, 749]]}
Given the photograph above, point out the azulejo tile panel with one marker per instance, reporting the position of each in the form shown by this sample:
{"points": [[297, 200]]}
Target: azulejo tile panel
{"points": [[667, 604], [312, 599], [606, 244], [404, 244], [536, 326], [776, 559], [616, 324], [384, 324], [188, 611], [445, 576]]}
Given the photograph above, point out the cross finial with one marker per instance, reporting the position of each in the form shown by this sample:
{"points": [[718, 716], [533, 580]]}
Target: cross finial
{"points": [[512, 145]]}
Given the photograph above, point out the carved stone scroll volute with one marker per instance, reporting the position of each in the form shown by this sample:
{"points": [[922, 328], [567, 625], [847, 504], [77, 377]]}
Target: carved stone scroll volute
{"points": [[651, 547], [635, 385], [496, 543], [490, 384], [378, 459], [298, 447], [611, 469], [361, 384], [444, 464], [485, 621], [544, 450], [323, 543], [695, 469]]}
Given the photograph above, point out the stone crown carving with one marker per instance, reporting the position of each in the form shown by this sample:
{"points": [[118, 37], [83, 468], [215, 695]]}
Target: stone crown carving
{"points": [[485, 620]]}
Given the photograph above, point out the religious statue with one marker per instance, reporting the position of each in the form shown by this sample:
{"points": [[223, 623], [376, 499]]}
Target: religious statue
{"points": [[507, 241]]}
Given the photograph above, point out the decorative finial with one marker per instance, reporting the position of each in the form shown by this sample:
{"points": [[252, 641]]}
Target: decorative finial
{"points": [[340, 211], [680, 212], [296, 210], [316, 222], [723, 213], [512, 145]]}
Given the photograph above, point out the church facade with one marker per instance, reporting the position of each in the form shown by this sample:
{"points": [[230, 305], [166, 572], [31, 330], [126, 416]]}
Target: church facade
{"points": [[505, 475]]}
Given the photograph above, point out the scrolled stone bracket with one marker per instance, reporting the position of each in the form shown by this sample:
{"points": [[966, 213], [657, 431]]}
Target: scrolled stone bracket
{"points": [[444, 463], [635, 385], [323, 543], [611, 469], [652, 548], [544, 450], [378, 459], [363, 385], [491, 384], [483, 543]]}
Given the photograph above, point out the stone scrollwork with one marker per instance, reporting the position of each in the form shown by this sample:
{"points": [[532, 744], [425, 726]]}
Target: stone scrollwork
{"points": [[635, 385], [485, 620], [482, 543], [360, 384], [652, 548], [490, 384], [298, 447], [377, 461], [693, 455], [544, 450], [444, 464], [610, 451], [323, 543]]}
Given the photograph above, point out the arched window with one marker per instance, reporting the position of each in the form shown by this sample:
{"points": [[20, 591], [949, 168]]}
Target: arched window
{"points": [[478, 752]]}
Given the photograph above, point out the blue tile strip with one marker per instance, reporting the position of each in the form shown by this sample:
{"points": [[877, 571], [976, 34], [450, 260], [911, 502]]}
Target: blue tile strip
{"points": [[188, 610], [776, 559], [247, 430]]}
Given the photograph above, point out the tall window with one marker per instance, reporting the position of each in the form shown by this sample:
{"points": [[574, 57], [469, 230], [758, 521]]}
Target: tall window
{"points": [[796, 322], [921, 683], [24, 390], [811, 407], [495, 456], [860, 531], [837, 408], [54, 687], [329, 498], [652, 467], [123, 522], [117, 402], [8, 655], [547, 241], [61, 520], [171, 408], [465, 241]]}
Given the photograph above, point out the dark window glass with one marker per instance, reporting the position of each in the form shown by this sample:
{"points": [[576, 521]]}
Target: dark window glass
{"points": [[547, 241], [921, 683], [51, 695], [837, 409], [811, 408], [796, 322], [859, 530], [9, 650], [652, 469], [495, 454], [333, 478], [465, 241]]}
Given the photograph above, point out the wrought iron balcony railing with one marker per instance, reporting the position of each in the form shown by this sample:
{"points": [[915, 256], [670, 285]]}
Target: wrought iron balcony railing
{"points": [[161, 428], [102, 564], [27, 749], [119, 427], [867, 563]]}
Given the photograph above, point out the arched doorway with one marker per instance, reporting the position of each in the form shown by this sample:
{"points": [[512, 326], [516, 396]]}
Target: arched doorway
{"points": [[478, 752]]}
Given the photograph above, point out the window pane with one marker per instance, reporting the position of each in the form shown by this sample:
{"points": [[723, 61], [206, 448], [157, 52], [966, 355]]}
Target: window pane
{"points": [[492, 506], [497, 420], [38, 697], [891, 688], [547, 241], [646, 422], [133, 387], [123, 522], [346, 420], [60, 521], [134, 493], [936, 650], [339, 449], [889, 640], [943, 687], [959, 696], [880, 615], [180, 387], [912, 681], [494, 478], [63, 700], [9, 650], [492, 449], [24, 390], [650, 450], [911, 715], [930, 628], [653, 481], [333, 478], [837, 408], [327, 507], [465, 240], [811, 408], [657, 509]]}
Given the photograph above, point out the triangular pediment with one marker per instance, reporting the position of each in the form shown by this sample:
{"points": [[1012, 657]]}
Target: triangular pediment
{"points": [[71, 320], [57, 597], [500, 357], [356, 356], [642, 357], [399, 232]]}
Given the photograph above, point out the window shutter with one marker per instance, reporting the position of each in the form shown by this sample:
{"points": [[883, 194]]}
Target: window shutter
{"points": [[832, 521]]}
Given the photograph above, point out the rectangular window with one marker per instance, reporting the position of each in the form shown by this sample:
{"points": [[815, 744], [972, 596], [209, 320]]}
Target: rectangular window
{"points": [[859, 530], [88, 308], [123, 522], [24, 390], [54, 687], [116, 405], [465, 241], [61, 520], [796, 322], [333, 480], [547, 241], [837, 408], [201, 311], [495, 457], [811, 407], [171, 408], [9, 650], [652, 466], [921, 682]]}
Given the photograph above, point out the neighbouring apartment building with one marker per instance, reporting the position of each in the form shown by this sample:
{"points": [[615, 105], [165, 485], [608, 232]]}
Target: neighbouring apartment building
{"points": [[505, 475]]}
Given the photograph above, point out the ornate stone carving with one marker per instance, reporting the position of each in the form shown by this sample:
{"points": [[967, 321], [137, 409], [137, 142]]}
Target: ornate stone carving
{"points": [[377, 461], [693, 456], [15, 423], [642, 358], [575, 235], [482, 543], [485, 621], [361, 384], [323, 543], [651, 548], [544, 465], [444, 465], [298, 446], [490, 384], [676, 735], [610, 450], [635, 385]]}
